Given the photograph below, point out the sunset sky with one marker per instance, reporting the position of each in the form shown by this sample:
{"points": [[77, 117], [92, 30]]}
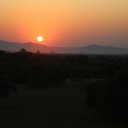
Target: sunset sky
{"points": [[65, 22]]}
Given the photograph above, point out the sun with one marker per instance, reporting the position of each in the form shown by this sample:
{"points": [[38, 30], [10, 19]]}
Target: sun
{"points": [[40, 38]]}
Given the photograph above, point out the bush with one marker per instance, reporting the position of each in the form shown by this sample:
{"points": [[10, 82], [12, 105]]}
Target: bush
{"points": [[6, 88], [110, 100]]}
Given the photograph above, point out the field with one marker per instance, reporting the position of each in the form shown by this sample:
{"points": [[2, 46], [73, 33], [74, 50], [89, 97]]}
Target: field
{"points": [[56, 107], [63, 90]]}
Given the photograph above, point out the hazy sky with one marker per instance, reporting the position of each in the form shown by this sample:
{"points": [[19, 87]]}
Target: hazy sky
{"points": [[65, 22]]}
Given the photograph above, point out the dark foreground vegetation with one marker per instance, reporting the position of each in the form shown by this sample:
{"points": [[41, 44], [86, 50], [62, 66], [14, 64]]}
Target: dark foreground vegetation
{"points": [[64, 90]]}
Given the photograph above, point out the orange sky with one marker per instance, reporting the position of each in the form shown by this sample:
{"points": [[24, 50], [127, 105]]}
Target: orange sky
{"points": [[65, 22]]}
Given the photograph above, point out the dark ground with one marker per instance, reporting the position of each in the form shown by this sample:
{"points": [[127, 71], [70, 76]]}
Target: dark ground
{"points": [[59, 103], [55, 107]]}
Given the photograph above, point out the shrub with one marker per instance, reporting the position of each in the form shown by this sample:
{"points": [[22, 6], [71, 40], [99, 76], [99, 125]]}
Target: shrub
{"points": [[109, 99]]}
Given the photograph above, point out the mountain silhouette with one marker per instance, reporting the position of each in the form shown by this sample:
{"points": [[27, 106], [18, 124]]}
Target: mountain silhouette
{"points": [[34, 47]]}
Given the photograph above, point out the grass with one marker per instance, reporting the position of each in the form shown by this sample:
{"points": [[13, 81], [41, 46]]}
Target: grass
{"points": [[53, 107]]}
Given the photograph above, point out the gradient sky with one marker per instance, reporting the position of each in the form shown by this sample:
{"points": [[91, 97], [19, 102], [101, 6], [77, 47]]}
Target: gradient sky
{"points": [[65, 22]]}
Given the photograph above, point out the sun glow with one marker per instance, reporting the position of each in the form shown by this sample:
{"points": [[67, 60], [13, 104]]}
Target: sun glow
{"points": [[40, 38]]}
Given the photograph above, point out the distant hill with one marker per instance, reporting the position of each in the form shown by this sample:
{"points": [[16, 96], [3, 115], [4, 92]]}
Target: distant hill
{"points": [[33, 47]]}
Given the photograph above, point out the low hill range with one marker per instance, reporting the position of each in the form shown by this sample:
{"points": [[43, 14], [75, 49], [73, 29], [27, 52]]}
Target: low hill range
{"points": [[33, 47]]}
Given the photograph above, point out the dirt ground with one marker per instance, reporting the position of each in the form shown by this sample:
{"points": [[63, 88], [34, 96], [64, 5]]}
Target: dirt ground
{"points": [[49, 108]]}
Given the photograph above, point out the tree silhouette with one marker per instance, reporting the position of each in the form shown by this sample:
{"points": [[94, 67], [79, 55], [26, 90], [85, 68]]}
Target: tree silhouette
{"points": [[23, 50]]}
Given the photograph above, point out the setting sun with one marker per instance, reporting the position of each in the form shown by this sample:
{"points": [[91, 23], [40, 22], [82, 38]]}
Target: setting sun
{"points": [[40, 38]]}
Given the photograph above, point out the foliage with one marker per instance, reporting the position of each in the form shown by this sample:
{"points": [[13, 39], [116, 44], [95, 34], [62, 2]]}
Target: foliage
{"points": [[103, 77]]}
